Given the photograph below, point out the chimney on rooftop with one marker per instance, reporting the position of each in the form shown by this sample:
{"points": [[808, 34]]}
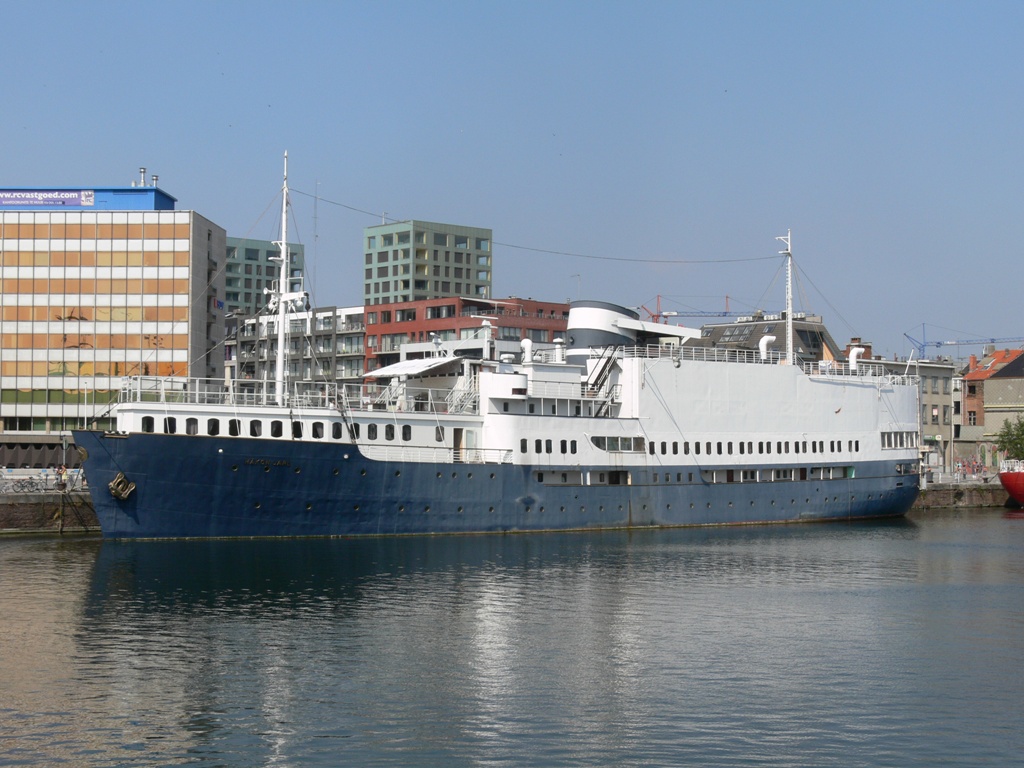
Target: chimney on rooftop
{"points": [[973, 363]]}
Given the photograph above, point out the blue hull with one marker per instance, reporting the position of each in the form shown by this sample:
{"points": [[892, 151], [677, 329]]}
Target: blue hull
{"points": [[189, 486]]}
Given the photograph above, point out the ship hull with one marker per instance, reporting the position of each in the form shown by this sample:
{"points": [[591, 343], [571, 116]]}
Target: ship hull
{"points": [[1013, 483], [187, 486]]}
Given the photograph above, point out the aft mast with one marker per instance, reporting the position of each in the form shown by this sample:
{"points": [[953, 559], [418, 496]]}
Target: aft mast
{"points": [[788, 253]]}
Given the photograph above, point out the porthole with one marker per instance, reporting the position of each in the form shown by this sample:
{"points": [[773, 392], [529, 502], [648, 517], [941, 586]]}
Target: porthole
{"points": [[541, 510], [308, 506], [257, 505], [691, 506], [490, 509], [561, 509], [492, 475], [730, 505], [298, 470], [460, 510], [234, 467], [362, 472], [398, 473], [401, 507], [355, 507], [426, 508], [335, 471], [709, 505], [266, 468], [454, 475], [469, 476]]}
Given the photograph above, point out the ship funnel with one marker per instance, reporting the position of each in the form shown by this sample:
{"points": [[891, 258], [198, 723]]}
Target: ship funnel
{"points": [[763, 344], [594, 325]]}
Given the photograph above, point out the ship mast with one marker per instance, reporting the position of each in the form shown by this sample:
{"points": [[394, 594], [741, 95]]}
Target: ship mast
{"points": [[788, 253], [281, 299]]}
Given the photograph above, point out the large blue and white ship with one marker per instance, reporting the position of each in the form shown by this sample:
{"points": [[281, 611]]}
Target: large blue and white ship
{"points": [[626, 424]]}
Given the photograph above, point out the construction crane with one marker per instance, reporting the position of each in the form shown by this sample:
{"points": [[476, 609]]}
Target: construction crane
{"points": [[922, 345], [657, 316]]}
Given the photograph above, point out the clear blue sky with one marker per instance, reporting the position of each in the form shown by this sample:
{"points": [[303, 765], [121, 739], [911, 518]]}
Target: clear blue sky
{"points": [[667, 142]]}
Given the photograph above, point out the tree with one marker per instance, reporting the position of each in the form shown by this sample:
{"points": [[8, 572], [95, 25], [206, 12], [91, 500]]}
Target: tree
{"points": [[1011, 439]]}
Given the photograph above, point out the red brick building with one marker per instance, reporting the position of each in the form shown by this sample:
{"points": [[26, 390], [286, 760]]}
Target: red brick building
{"points": [[388, 326]]}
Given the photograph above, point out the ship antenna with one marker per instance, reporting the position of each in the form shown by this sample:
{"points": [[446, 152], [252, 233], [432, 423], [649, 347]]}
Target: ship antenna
{"points": [[281, 273], [788, 253]]}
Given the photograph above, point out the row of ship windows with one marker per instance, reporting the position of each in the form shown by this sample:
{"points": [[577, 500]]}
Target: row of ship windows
{"points": [[720, 448], [713, 476], [317, 429]]}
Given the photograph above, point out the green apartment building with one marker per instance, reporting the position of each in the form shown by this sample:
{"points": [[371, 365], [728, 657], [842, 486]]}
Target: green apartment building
{"points": [[419, 260]]}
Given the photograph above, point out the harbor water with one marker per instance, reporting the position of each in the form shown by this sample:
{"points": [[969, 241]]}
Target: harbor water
{"points": [[888, 644]]}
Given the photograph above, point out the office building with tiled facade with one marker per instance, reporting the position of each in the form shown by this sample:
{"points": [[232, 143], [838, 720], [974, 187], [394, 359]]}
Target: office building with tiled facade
{"points": [[97, 284], [418, 260]]}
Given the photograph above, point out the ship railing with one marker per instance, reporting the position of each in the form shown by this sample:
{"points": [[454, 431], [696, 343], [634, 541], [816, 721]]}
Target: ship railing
{"points": [[573, 390], [397, 397], [675, 352], [238, 393], [436, 455], [1011, 465]]}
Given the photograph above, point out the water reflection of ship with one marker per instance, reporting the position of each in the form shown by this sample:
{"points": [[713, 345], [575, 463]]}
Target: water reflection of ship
{"points": [[195, 576]]}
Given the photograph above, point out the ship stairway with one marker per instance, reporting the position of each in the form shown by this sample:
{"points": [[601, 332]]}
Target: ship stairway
{"points": [[464, 396], [599, 376]]}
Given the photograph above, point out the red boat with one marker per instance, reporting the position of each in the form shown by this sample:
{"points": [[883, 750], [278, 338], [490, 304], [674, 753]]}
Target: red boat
{"points": [[1011, 475]]}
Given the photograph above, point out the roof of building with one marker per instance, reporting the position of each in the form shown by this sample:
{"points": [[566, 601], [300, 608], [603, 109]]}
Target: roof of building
{"points": [[992, 363], [811, 339]]}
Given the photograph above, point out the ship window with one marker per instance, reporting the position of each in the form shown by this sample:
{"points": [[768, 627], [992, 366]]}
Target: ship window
{"points": [[389, 431], [255, 427], [547, 446], [572, 446], [719, 448], [553, 407], [651, 448], [353, 431], [537, 446], [439, 437], [686, 447], [675, 448], [192, 426], [170, 425], [371, 431], [664, 447], [599, 442], [234, 427], [147, 423], [760, 446], [707, 447], [768, 446], [336, 430], [522, 445], [276, 428], [742, 447], [821, 446], [213, 426], [318, 430], [804, 449], [856, 446], [778, 447], [655, 477], [796, 446], [728, 447], [407, 432], [296, 429], [787, 446], [696, 447], [563, 445], [531, 408]]}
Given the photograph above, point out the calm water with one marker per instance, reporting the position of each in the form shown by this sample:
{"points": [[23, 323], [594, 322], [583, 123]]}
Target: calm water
{"points": [[867, 645]]}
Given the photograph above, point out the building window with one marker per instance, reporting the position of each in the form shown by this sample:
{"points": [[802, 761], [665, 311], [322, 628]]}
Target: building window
{"points": [[972, 418]]}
